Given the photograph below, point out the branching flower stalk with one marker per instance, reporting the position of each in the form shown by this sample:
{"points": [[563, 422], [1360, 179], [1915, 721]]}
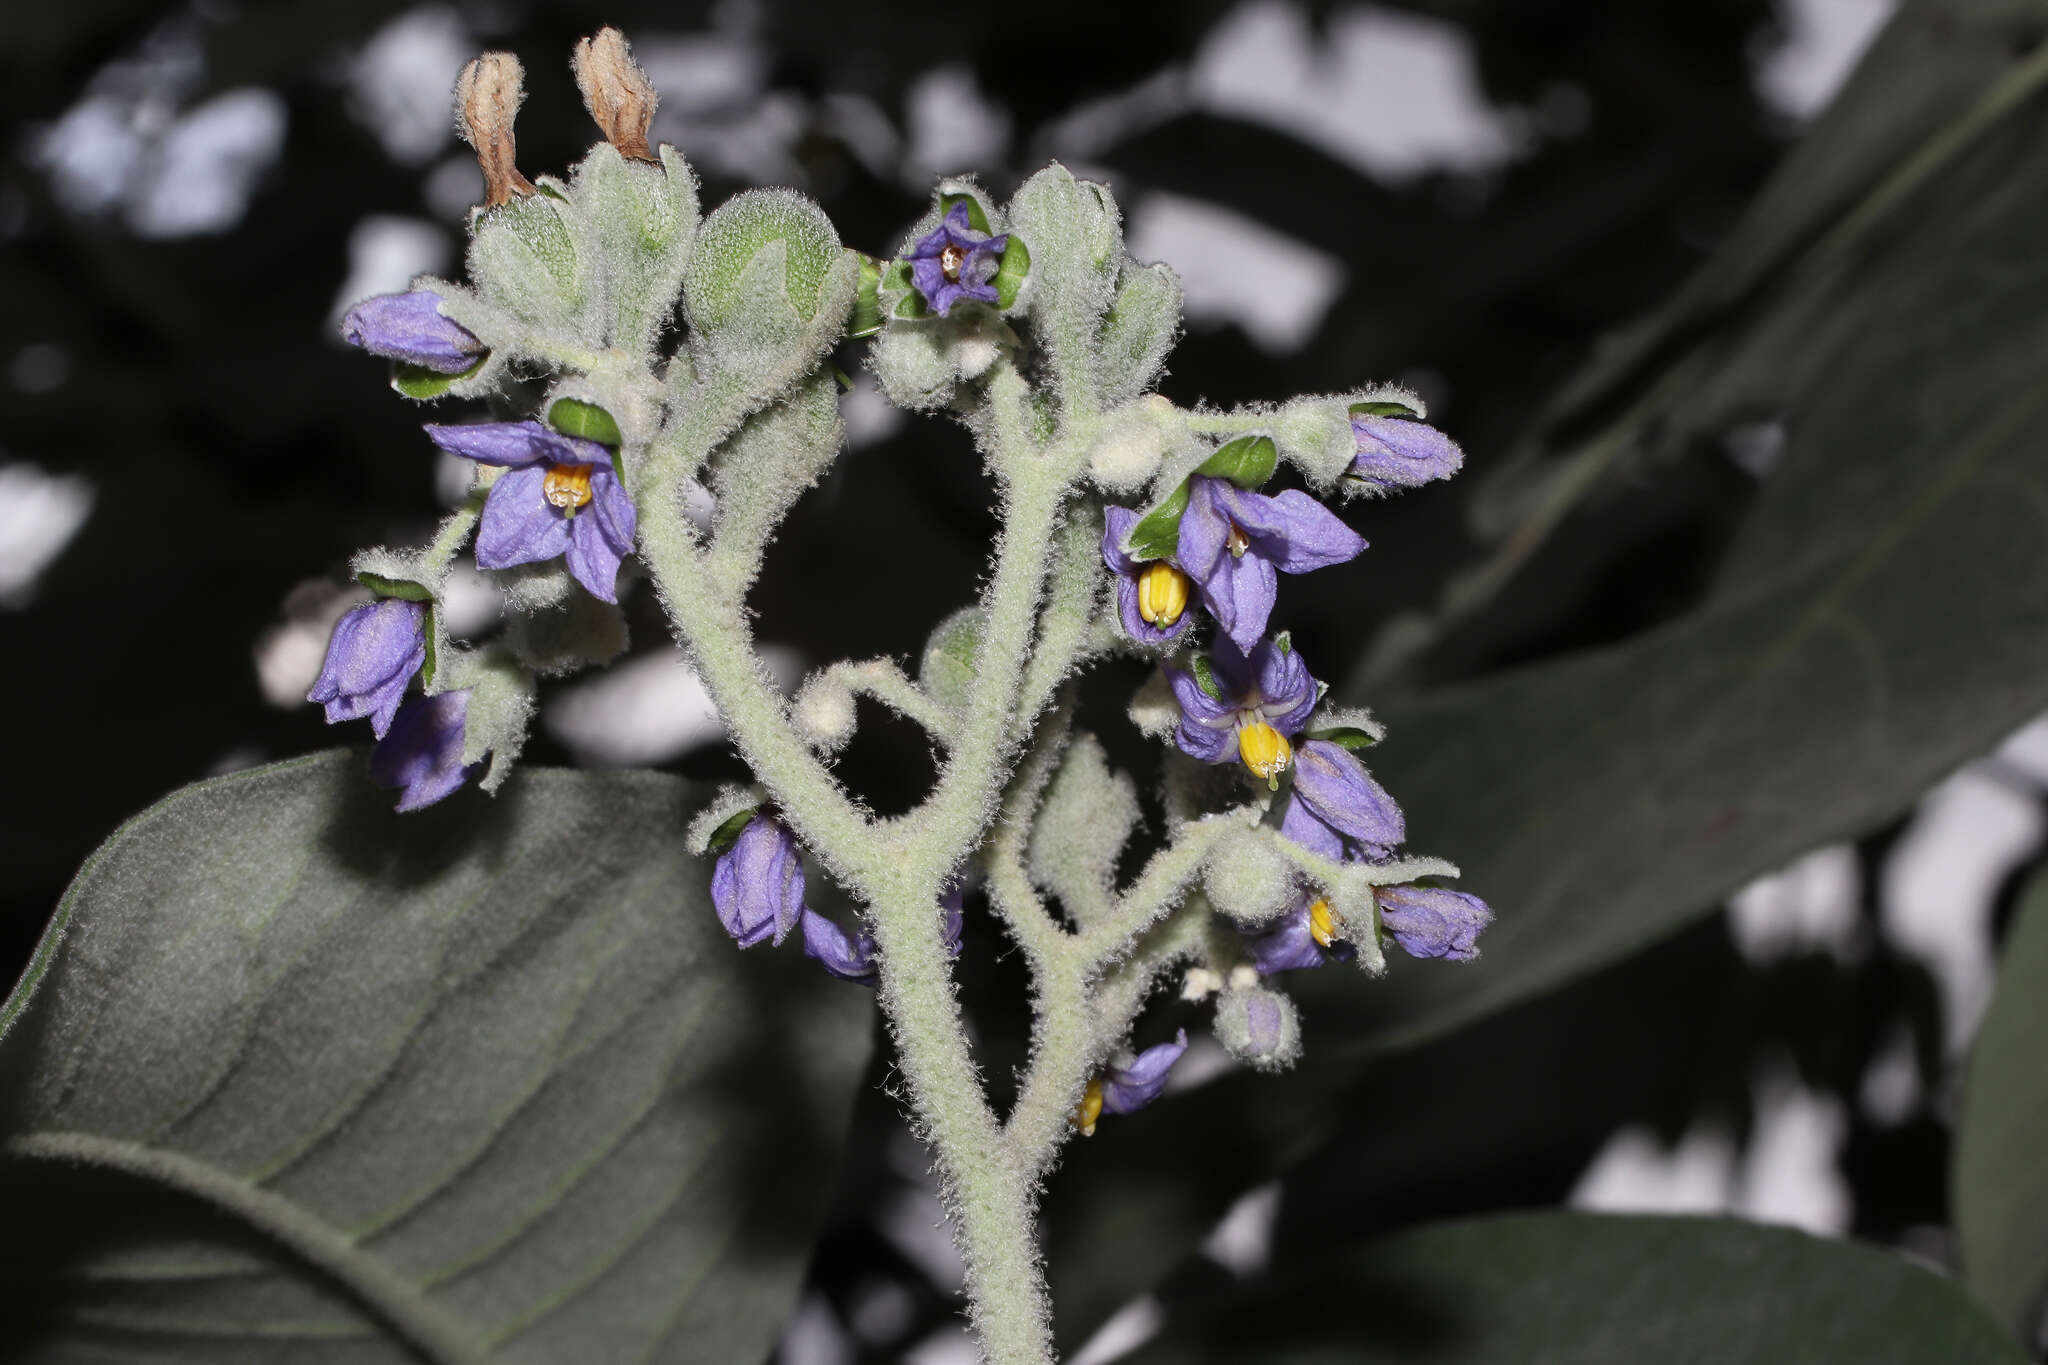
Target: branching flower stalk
{"points": [[662, 396]]}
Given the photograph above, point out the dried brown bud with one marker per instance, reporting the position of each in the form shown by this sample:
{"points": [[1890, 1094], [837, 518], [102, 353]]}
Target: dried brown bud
{"points": [[616, 91], [487, 99]]}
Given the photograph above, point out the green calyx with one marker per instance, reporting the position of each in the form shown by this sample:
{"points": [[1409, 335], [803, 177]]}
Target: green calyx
{"points": [[1384, 409], [1247, 461], [419, 383], [1157, 534], [728, 832], [574, 417]]}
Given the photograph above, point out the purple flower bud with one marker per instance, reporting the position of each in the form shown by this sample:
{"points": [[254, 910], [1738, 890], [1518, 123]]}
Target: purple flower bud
{"points": [[372, 655], [1154, 612], [850, 958], [1129, 1088], [1429, 921], [1399, 452], [1332, 788], [1234, 541], [954, 262], [561, 498], [421, 756], [758, 884], [410, 327], [1306, 936]]}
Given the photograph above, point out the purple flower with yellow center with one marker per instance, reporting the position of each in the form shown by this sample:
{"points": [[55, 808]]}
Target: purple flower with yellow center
{"points": [[1400, 452], [757, 884], [1306, 936], [421, 754], [1433, 921], [1151, 598], [1129, 1087], [411, 328], [954, 262], [851, 957], [1234, 543], [1255, 705], [371, 657], [1335, 800], [560, 497]]}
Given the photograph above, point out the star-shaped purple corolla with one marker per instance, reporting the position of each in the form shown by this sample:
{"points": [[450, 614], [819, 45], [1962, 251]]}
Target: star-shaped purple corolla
{"points": [[371, 657], [851, 957], [1234, 543], [410, 327], [954, 262], [1163, 597], [561, 497], [1261, 701], [1400, 452], [1335, 799], [421, 755], [757, 885], [1433, 921], [1135, 1084]]}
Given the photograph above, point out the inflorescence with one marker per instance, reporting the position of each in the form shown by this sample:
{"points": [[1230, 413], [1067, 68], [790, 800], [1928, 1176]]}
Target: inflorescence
{"points": [[610, 460]]}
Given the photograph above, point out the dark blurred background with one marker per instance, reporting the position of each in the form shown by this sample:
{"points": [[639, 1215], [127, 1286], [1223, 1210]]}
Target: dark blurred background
{"points": [[1462, 196]]}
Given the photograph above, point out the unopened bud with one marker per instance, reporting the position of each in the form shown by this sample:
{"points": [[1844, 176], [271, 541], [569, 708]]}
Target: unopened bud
{"points": [[487, 99], [616, 92]]}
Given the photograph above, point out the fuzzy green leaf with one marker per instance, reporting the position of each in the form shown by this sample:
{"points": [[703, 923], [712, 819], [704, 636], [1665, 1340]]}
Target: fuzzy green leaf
{"points": [[1157, 533], [294, 1078]]}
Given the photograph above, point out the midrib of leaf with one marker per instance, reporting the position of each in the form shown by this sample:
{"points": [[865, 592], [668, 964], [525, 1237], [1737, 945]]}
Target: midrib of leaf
{"points": [[426, 1326]]}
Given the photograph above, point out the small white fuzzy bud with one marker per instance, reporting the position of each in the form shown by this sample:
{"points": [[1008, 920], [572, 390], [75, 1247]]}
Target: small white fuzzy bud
{"points": [[1243, 977], [825, 711], [1153, 709], [1128, 453], [1247, 880]]}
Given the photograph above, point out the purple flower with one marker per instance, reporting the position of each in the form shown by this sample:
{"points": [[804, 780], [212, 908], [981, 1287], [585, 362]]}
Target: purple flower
{"points": [[421, 755], [410, 327], [1260, 701], [758, 884], [1430, 921], [1127, 1089], [852, 957], [372, 655], [1332, 789], [1130, 1087], [954, 262], [562, 497], [1399, 452], [1152, 598], [1233, 542], [1306, 936]]}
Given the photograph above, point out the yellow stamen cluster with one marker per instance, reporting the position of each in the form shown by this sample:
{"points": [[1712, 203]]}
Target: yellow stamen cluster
{"points": [[1088, 1110], [1322, 925], [1162, 593], [1264, 750], [567, 486]]}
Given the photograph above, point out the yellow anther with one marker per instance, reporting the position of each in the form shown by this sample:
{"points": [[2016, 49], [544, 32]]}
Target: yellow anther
{"points": [[567, 486], [1162, 593], [1088, 1110], [1322, 925], [1264, 750]]}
